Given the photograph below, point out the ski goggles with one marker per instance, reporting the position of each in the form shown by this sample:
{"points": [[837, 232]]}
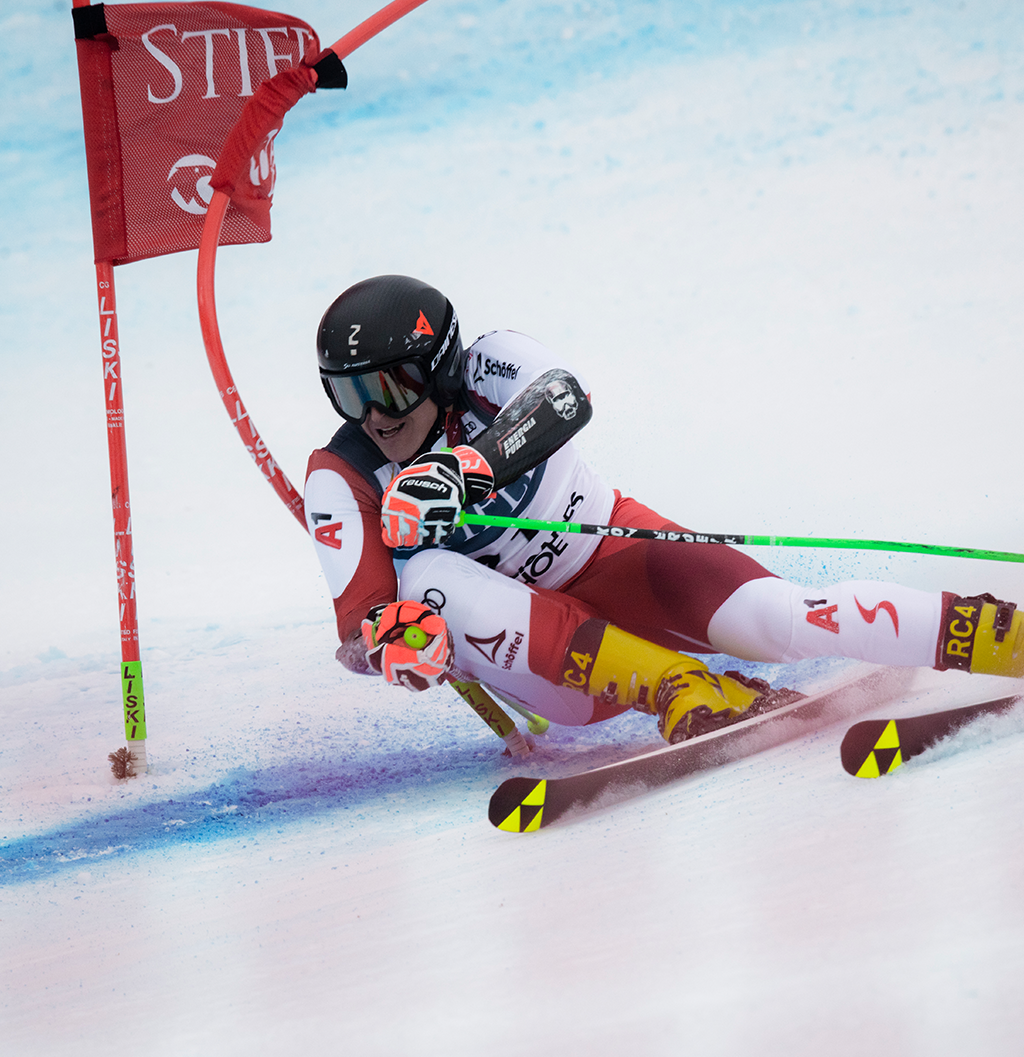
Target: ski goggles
{"points": [[396, 390]]}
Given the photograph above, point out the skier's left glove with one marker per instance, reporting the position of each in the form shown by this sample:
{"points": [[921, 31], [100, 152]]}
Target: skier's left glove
{"points": [[422, 505], [409, 644]]}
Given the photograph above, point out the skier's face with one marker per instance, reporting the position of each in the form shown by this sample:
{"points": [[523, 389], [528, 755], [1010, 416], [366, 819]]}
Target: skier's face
{"points": [[400, 438]]}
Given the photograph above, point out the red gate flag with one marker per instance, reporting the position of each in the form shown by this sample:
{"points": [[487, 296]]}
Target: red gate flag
{"points": [[162, 86]]}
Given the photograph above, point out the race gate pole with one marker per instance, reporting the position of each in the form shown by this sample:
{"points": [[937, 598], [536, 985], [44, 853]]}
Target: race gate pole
{"points": [[132, 697]]}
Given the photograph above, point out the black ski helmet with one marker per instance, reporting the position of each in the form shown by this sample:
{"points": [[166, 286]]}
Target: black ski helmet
{"points": [[390, 342]]}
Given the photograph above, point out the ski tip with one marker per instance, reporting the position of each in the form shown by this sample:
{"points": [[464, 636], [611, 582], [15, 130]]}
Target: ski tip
{"points": [[875, 747], [871, 748], [517, 805]]}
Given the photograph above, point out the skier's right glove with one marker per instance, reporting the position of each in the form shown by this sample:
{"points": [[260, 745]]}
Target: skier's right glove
{"points": [[409, 644], [423, 503]]}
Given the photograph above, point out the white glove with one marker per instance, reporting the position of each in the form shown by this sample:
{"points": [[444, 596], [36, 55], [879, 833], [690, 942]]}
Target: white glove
{"points": [[422, 505]]}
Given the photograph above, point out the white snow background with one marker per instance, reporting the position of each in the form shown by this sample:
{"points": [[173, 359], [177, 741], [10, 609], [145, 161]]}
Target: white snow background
{"points": [[785, 240]]}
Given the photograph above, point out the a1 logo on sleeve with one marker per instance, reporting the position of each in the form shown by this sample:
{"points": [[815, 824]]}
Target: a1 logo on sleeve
{"points": [[328, 535]]}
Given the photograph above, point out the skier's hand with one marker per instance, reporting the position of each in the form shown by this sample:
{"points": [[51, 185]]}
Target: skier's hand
{"points": [[423, 503], [408, 643]]}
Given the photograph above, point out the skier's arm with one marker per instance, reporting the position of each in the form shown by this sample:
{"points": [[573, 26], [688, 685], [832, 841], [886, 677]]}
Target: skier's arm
{"points": [[343, 517], [533, 425], [423, 503]]}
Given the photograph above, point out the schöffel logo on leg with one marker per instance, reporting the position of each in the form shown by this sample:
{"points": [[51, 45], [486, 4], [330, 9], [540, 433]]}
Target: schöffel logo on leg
{"points": [[488, 647]]}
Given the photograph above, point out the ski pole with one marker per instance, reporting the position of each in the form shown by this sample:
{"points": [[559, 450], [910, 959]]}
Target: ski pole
{"points": [[534, 724], [481, 702], [736, 540]]}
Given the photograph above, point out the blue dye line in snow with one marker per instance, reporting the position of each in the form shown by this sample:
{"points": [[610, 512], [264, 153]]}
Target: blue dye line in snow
{"points": [[245, 800], [300, 790]]}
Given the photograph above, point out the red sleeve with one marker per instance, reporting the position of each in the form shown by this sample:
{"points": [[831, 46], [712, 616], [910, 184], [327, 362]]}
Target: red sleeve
{"points": [[373, 580]]}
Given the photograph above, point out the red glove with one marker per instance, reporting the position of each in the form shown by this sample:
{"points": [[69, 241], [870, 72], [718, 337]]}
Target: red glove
{"points": [[422, 505], [409, 644]]}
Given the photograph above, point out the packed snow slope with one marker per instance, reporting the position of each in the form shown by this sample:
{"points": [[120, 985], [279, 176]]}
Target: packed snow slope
{"points": [[785, 240]]}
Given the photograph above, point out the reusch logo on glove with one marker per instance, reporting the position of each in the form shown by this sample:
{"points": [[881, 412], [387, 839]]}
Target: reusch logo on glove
{"points": [[421, 505], [425, 482], [424, 488]]}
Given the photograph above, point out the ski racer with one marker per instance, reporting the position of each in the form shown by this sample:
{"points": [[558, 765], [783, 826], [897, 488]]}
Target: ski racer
{"points": [[577, 628]]}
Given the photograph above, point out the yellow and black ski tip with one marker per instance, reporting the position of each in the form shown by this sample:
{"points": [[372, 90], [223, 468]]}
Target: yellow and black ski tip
{"points": [[872, 748], [875, 747], [517, 805]]}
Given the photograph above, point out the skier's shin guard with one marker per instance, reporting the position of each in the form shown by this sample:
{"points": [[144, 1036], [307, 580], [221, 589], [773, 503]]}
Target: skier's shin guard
{"points": [[620, 668], [982, 635]]}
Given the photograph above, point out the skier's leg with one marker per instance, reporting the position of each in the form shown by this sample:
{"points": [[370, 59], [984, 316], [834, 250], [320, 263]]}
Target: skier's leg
{"points": [[547, 650], [713, 598], [688, 700], [664, 592], [503, 632], [770, 619], [773, 620], [981, 634]]}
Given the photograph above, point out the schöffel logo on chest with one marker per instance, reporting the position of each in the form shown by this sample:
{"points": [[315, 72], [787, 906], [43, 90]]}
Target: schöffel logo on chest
{"points": [[488, 368]]}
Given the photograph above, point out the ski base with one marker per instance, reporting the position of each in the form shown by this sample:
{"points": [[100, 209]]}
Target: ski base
{"points": [[525, 805], [875, 747]]}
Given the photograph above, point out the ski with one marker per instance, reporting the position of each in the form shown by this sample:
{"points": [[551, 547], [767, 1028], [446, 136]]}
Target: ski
{"points": [[524, 805], [875, 747]]}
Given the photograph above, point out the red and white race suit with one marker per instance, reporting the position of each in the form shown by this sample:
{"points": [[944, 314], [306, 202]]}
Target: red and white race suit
{"points": [[514, 598]]}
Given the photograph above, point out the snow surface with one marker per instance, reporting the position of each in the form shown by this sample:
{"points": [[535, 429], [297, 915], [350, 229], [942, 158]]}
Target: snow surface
{"points": [[786, 239]]}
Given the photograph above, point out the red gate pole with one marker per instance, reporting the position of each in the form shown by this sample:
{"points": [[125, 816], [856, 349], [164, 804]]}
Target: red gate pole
{"points": [[131, 666]]}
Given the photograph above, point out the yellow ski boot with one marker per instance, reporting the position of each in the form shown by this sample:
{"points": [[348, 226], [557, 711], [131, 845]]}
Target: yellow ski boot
{"points": [[619, 668], [982, 635]]}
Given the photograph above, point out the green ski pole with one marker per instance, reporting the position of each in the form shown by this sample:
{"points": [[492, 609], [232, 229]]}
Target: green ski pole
{"points": [[737, 540]]}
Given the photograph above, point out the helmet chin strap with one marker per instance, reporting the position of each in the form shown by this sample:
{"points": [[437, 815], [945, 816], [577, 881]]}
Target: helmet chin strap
{"points": [[448, 421], [453, 427]]}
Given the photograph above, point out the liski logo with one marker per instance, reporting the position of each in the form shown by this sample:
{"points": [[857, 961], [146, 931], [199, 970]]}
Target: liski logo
{"points": [[195, 182]]}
